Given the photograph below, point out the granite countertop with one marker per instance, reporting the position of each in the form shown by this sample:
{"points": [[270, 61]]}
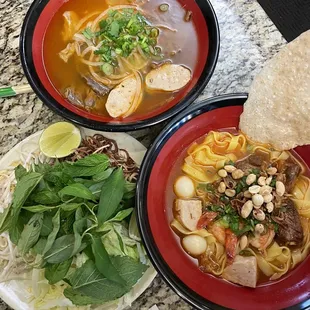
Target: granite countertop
{"points": [[248, 40]]}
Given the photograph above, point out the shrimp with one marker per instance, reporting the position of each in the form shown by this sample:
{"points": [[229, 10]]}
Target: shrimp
{"points": [[206, 219], [218, 231], [231, 245], [261, 242]]}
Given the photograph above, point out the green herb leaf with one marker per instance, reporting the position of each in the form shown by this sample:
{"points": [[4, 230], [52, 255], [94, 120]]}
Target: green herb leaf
{"points": [[39, 246], [45, 197], [57, 272], [76, 190], [80, 299], [31, 233], [121, 215], [52, 236], [47, 226], [61, 250], [103, 175], [22, 191], [20, 171], [129, 269], [78, 228], [89, 281], [84, 171], [111, 195], [93, 160], [103, 262]]}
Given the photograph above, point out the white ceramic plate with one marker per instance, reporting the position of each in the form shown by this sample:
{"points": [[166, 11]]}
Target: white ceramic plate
{"points": [[30, 144]]}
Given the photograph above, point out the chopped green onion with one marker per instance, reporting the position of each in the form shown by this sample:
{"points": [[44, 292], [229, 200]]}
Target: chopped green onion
{"points": [[88, 34], [118, 51], [164, 7], [107, 69], [154, 33]]}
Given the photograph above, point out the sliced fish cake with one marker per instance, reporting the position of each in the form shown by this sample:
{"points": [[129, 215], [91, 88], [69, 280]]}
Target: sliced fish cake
{"points": [[122, 97], [168, 77]]}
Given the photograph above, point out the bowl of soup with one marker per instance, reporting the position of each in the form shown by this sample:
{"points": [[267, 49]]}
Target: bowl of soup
{"points": [[225, 219], [119, 64]]}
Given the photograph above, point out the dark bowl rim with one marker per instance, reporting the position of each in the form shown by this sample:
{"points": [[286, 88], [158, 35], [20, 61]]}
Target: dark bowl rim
{"points": [[26, 38], [153, 252]]}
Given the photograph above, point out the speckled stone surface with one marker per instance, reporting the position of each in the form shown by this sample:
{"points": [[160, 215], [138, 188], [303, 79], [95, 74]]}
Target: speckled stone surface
{"points": [[248, 40]]}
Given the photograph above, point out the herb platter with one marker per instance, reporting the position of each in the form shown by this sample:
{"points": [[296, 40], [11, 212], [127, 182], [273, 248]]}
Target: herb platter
{"points": [[17, 292]]}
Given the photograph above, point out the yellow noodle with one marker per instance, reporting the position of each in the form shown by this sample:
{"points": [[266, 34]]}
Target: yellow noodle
{"points": [[301, 196], [206, 158], [215, 251], [276, 262], [301, 253]]}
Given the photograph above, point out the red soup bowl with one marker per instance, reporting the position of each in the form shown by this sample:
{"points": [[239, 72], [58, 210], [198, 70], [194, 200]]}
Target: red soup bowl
{"points": [[32, 39], [202, 290]]}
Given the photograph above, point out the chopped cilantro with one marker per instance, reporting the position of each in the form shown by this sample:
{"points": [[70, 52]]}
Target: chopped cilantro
{"points": [[273, 182], [255, 171]]}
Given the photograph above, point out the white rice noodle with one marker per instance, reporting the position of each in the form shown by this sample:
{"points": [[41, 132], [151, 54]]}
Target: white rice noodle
{"points": [[165, 27], [93, 63], [80, 38], [85, 19]]}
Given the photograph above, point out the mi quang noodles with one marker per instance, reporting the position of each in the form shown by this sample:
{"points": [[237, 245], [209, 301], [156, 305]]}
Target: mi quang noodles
{"points": [[118, 58], [242, 209]]}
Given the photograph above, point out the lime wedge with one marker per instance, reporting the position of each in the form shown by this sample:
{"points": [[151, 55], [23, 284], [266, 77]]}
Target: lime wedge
{"points": [[60, 140]]}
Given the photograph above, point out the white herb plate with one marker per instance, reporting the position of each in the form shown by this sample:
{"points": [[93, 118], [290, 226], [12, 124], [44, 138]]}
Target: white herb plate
{"points": [[137, 151]]}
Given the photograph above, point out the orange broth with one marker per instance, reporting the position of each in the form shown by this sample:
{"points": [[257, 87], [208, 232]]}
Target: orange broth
{"points": [[183, 42]]}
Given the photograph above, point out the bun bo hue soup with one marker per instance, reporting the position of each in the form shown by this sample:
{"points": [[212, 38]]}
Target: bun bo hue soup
{"points": [[242, 209], [119, 58]]}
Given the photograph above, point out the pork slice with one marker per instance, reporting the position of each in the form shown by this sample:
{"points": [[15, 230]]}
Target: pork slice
{"points": [[292, 172], [249, 163], [121, 97], [290, 231], [242, 271], [168, 77], [188, 212], [98, 88]]}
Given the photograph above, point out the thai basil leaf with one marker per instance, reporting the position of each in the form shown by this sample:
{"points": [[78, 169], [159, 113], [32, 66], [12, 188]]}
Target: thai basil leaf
{"points": [[31, 233], [52, 236], [93, 160], [39, 246], [22, 191], [66, 206], [89, 281], [103, 175], [77, 190], [47, 226], [103, 262], [78, 229], [111, 195], [15, 230], [5, 221], [121, 215], [20, 171], [61, 250], [84, 171], [56, 272], [46, 197]]}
